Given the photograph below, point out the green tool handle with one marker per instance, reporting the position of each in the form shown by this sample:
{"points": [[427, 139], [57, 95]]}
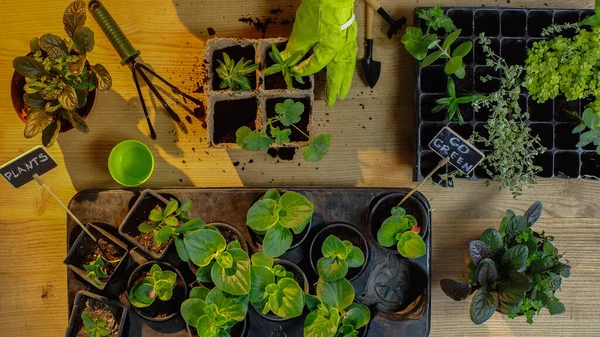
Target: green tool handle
{"points": [[114, 33]]}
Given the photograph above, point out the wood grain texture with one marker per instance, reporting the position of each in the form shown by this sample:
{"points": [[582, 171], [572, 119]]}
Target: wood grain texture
{"points": [[372, 137]]}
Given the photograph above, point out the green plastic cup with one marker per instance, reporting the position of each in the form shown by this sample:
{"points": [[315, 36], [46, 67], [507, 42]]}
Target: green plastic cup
{"points": [[131, 163]]}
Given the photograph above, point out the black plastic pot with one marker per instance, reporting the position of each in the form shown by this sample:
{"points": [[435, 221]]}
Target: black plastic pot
{"points": [[238, 330], [224, 228], [172, 306], [343, 232], [85, 245], [139, 213], [291, 267], [84, 298], [382, 210]]}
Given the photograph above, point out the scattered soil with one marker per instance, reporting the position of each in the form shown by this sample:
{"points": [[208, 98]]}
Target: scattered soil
{"points": [[99, 310], [88, 251], [296, 135], [160, 309], [230, 116], [286, 153], [272, 152], [188, 119], [211, 31], [276, 81], [262, 24], [236, 53]]}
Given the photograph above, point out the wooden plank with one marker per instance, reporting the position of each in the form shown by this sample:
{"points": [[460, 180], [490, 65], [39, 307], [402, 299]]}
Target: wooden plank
{"points": [[372, 137]]}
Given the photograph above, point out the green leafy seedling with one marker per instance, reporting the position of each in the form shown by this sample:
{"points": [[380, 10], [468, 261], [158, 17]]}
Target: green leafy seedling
{"points": [[213, 312], [95, 327], [59, 79], [591, 120], [274, 289], [96, 270], [225, 265], [158, 284], [401, 230], [233, 75], [163, 223], [452, 103], [513, 270], [284, 67], [276, 216], [338, 257]]}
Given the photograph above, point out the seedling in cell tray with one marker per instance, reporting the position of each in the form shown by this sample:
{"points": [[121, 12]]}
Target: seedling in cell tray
{"points": [[452, 103], [234, 75], [338, 257], [158, 284], [163, 224], [284, 67], [401, 230]]}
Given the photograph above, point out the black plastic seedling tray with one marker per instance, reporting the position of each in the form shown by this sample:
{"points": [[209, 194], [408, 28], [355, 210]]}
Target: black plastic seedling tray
{"points": [[511, 31], [386, 276]]}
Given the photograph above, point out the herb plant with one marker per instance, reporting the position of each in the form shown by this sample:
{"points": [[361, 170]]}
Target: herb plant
{"points": [[338, 257], [401, 230], [284, 67], [333, 312], [235, 75], [418, 43], [96, 270], [213, 312], [163, 223], [276, 216], [288, 114], [274, 289], [159, 284], [589, 120], [511, 163], [514, 270], [95, 327], [58, 77], [452, 103], [225, 265]]}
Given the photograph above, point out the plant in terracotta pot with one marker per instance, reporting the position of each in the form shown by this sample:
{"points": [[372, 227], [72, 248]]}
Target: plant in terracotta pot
{"points": [[513, 270], [55, 80]]}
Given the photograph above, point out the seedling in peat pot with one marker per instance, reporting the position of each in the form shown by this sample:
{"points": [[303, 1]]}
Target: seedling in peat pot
{"points": [[419, 43], [274, 289], [213, 312], [284, 67], [235, 75], [59, 79], [514, 270], [159, 284], [275, 216], [95, 327], [163, 224], [97, 271], [402, 230], [288, 113], [338, 257], [452, 103], [333, 312], [225, 265]]}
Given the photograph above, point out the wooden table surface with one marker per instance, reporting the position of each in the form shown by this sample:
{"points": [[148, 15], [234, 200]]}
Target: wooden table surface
{"points": [[372, 137]]}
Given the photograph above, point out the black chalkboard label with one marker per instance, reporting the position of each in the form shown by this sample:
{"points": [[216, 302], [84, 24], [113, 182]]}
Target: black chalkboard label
{"points": [[464, 156], [20, 170]]}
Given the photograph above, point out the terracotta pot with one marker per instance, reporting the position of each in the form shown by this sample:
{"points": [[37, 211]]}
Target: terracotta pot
{"points": [[16, 94]]}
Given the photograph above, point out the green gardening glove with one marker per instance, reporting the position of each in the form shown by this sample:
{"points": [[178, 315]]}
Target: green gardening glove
{"points": [[328, 27]]}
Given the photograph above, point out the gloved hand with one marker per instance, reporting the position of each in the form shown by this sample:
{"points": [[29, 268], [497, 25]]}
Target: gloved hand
{"points": [[328, 26]]}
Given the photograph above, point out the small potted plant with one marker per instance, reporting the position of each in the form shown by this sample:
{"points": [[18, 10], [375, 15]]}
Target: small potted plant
{"points": [[514, 270], [280, 221], [333, 311], [230, 234], [54, 86], [96, 262], [278, 287], [156, 291], [214, 313], [403, 228], [153, 221], [279, 73], [96, 316], [338, 251], [235, 76]]}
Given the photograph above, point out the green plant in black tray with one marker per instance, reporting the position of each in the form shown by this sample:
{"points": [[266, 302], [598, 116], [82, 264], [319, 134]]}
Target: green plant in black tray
{"points": [[234, 75], [158, 284], [97, 271], [164, 223], [338, 257], [513, 270], [402, 230], [452, 103]]}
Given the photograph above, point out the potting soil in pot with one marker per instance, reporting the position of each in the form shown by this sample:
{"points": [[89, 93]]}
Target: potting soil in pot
{"points": [[99, 310]]}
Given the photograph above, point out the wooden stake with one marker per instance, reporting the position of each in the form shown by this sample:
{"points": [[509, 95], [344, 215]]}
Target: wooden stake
{"points": [[41, 183], [442, 163]]}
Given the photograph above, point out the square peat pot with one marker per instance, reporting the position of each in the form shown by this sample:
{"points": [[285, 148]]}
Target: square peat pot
{"points": [[139, 213], [276, 81], [99, 307], [227, 114], [236, 49], [297, 138], [84, 251]]}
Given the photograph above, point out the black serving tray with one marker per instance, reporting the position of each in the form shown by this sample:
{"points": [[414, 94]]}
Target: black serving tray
{"points": [[511, 30], [230, 205]]}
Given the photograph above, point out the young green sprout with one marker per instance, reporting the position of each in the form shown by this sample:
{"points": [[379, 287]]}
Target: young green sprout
{"points": [[163, 223], [401, 230], [338, 257], [284, 67], [95, 327], [97, 271], [235, 75], [159, 284]]}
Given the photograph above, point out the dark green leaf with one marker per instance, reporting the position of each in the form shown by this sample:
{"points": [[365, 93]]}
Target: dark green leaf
{"points": [[492, 239], [56, 53], [180, 247], [451, 87], [34, 100], [237, 283], [50, 134], [579, 128], [357, 315], [431, 58], [479, 251], [74, 16], [202, 245], [190, 226], [295, 211], [590, 118], [164, 234], [450, 40], [517, 256], [78, 122], [34, 45], [463, 50], [83, 37], [516, 226], [483, 305], [289, 112], [263, 215], [281, 136], [317, 148], [453, 65], [533, 213], [556, 307], [457, 291], [48, 41], [338, 294], [277, 241], [255, 141], [486, 272], [28, 67]]}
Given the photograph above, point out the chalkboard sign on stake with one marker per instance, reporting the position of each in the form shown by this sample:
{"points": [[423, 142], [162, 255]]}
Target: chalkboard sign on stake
{"points": [[464, 156]]}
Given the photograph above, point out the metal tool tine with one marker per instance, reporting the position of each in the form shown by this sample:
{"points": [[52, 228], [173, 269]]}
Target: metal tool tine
{"points": [[139, 90], [174, 88]]}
